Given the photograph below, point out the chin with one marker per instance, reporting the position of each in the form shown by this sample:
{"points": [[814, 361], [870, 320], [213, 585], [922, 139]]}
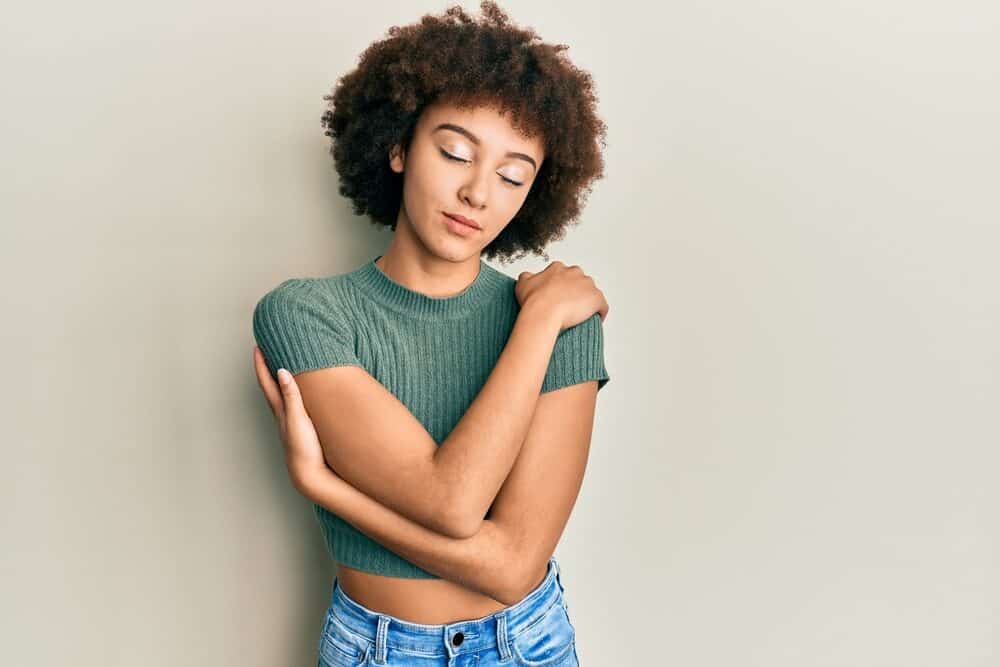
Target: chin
{"points": [[463, 254]]}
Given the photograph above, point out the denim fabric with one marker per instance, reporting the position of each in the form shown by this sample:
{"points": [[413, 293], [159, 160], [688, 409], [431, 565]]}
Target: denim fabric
{"points": [[535, 632]]}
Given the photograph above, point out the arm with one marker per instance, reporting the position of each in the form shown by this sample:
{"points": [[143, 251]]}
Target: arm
{"points": [[377, 445], [503, 558]]}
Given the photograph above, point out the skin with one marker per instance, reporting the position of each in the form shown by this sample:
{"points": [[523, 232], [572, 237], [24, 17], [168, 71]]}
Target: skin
{"points": [[467, 510]]}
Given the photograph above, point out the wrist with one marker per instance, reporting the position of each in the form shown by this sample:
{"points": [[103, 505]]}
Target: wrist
{"points": [[542, 314], [314, 483]]}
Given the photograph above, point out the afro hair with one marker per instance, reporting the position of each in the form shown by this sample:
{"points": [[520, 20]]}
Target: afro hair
{"points": [[468, 63]]}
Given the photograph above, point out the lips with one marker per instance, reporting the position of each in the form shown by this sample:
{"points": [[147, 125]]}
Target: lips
{"points": [[462, 219], [458, 228]]}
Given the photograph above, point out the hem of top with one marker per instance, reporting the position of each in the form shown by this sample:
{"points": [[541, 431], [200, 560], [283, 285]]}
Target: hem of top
{"points": [[320, 365], [600, 379], [386, 573], [367, 561]]}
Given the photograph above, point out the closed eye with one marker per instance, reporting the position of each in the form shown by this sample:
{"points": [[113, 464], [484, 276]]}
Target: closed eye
{"points": [[458, 159]]}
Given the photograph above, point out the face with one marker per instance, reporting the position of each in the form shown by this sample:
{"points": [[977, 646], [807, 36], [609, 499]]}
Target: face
{"points": [[465, 162]]}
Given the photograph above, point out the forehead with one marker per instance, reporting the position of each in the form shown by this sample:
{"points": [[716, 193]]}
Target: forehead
{"points": [[492, 128]]}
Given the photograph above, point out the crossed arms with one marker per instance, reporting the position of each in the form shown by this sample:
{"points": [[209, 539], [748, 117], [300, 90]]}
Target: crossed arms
{"points": [[486, 509]]}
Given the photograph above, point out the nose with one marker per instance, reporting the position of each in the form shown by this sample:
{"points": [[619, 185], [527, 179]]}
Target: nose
{"points": [[474, 190]]}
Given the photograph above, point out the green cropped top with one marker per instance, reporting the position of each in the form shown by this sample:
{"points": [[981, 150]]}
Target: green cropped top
{"points": [[433, 353]]}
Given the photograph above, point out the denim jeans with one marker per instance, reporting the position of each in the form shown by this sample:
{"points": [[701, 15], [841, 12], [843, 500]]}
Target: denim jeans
{"points": [[534, 632]]}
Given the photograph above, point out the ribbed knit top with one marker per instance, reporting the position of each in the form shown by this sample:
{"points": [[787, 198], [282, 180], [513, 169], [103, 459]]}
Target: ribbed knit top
{"points": [[434, 354]]}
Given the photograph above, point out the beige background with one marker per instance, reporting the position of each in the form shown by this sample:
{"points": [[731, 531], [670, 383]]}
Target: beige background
{"points": [[796, 460]]}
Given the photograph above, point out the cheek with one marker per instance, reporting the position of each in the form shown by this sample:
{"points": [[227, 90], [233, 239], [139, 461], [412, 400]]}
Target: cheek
{"points": [[515, 200], [419, 190], [431, 183]]}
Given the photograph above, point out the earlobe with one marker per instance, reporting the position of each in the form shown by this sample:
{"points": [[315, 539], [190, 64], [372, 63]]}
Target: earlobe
{"points": [[397, 159]]}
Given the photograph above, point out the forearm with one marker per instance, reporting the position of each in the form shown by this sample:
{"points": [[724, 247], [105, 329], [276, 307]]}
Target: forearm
{"points": [[485, 562], [478, 454]]}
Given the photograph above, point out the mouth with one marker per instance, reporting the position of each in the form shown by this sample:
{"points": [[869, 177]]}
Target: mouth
{"points": [[458, 228], [463, 220]]}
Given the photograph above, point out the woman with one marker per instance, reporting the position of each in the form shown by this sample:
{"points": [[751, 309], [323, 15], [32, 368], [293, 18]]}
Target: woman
{"points": [[454, 403]]}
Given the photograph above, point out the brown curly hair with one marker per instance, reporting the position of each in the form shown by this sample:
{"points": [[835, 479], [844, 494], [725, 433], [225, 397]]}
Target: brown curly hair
{"points": [[468, 63]]}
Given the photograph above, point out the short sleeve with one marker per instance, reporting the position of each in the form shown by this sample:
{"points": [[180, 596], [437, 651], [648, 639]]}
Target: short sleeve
{"points": [[298, 330], [578, 356]]}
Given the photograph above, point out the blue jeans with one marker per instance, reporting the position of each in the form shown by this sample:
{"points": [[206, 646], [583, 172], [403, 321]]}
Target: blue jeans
{"points": [[535, 632]]}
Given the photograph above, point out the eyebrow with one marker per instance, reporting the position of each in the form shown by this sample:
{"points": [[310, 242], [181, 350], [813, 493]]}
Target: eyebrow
{"points": [[474, 139]]}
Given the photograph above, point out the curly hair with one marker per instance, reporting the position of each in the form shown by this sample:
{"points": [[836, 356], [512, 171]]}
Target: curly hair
{"points": [[468, 63]]}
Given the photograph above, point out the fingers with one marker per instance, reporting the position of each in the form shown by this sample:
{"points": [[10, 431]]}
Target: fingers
{"points": [[267, 384], [294, 408]]}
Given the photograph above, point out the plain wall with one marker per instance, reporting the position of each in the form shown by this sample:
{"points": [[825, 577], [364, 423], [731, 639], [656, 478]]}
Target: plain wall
{"points": [[795, 462]]}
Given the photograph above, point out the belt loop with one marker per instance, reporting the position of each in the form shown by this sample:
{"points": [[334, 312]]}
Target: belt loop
{"points": [[381, 639], [502, 643]]}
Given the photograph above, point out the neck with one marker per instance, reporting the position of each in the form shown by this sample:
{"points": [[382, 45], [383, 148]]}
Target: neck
{"points": [[409, 263]]}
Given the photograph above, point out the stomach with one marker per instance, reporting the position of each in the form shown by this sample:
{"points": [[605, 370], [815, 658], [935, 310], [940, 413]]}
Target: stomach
{"points": [[427, 601]]}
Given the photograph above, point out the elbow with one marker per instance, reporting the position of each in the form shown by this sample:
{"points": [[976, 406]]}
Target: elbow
{"points": [[524, 571], [463, 526], [516, 584], [513, 564], [456, 520], [445, 523]]}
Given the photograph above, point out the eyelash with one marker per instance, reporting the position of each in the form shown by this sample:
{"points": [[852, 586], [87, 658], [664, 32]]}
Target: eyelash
{"points": [[458, 159]]}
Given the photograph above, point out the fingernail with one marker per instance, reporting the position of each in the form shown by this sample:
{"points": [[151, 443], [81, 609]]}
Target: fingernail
{"points": [[283, 376]]}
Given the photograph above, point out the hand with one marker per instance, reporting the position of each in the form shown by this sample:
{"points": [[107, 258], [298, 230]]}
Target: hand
{"points": [[303, 452], [569, 294]]}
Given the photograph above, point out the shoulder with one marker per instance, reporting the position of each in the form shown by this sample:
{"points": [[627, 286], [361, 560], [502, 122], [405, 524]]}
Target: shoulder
{"points": [[501, 275], [289, 300], [289, 290], [300, 325], [301, 295], [305, 306], [592, 327], [582, 342], [578, 356]]}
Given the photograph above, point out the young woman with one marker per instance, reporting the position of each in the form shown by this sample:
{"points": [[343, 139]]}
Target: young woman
{"points": [[441, 412]]}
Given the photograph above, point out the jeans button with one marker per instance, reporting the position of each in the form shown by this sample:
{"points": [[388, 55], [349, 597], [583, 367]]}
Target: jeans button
{"points": [[457, 639]]}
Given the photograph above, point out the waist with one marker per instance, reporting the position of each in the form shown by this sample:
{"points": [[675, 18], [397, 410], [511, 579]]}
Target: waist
{"points": [[425, 601], [466, 633]]}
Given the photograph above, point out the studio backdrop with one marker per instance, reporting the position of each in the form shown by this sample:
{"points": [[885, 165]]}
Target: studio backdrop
{"points": [[795, 462]]}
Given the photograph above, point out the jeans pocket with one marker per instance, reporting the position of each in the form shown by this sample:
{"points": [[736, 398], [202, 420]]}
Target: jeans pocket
{"points": [[547, 642], [340, 647]]}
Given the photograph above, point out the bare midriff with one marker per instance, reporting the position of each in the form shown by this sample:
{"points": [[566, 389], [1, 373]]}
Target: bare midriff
{"points": [[427, 601]]}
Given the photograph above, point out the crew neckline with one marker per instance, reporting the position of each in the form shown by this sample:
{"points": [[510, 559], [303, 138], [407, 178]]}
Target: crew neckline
{"points": [[379, 286]]}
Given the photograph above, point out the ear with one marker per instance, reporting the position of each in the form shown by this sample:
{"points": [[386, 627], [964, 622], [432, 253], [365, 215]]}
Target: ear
{"points": [[397, 159]]}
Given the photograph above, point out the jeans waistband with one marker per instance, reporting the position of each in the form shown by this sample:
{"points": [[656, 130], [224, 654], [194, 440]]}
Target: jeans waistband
{"points": [[449, 639]]}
